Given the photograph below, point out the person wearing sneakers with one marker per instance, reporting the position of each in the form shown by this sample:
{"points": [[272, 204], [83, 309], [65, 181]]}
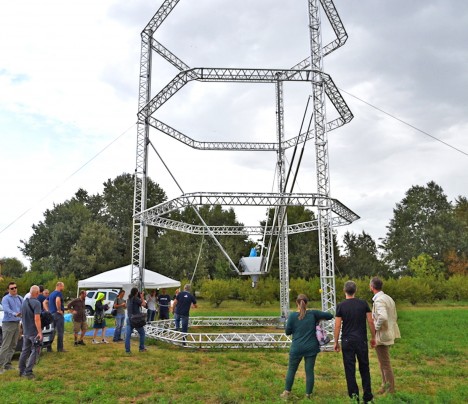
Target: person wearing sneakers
{"points": [[301, 324], [77, 307], [99, 320]]}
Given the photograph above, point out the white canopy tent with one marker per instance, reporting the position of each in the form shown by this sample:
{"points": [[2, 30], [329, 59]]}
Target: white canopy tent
{"points": [[119, 278]]}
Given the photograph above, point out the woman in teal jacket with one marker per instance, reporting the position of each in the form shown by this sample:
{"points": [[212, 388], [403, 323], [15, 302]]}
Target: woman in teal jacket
{"points": [[301, 325]]}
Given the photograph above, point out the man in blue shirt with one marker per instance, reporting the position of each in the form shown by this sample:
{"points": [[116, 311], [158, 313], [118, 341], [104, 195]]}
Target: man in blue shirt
{"points": [[57, 308], [10, 327], [182, 304]]}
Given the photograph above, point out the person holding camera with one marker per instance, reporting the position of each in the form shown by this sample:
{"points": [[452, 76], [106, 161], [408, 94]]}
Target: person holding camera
{"points": [[134, 303], [32, 333]]}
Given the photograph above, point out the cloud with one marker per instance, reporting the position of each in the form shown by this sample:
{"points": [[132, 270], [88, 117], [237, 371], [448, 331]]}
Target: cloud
{"points": [[69, 78]]}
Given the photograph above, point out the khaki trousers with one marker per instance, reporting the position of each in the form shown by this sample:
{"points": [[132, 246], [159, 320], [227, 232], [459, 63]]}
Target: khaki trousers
{"points": [[383, 355]]}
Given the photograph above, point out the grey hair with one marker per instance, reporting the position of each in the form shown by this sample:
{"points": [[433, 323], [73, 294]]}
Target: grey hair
{"points": [[350, 288], [34, 288]]}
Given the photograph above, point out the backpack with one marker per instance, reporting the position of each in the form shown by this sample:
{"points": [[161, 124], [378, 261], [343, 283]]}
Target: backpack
{"points": [[322, 336], [46, 318]]}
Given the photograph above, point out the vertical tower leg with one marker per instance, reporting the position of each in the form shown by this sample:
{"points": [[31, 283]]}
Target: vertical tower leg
{"points": [[282, 215], [327, 275], [140, 196]]}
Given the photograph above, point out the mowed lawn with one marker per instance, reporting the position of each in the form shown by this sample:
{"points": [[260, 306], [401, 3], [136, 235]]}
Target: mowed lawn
{"points": [[430, 364]]}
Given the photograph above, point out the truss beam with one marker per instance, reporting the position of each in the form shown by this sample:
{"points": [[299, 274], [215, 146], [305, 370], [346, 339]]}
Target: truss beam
{"points": [[230, 146], [247, 199]]}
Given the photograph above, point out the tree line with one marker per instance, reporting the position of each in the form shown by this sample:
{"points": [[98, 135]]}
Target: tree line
{"points": [[89, 234]]}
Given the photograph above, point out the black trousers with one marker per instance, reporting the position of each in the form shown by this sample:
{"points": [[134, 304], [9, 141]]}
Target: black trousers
{"points": [[352, 350]]}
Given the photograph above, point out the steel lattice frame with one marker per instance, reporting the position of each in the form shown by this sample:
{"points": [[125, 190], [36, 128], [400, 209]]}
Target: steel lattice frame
{"points": [[330, 212]]}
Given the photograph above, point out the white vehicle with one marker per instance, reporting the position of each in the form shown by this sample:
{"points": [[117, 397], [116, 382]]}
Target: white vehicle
{"points": [[109, 297]]}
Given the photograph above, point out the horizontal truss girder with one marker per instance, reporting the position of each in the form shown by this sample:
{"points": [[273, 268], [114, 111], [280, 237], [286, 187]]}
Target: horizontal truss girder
{"points": [[252, 76], [188, 228], [233, 146], [163, 330], [247, 199]]}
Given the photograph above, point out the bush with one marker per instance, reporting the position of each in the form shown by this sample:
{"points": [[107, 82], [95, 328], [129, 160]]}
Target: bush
{"points": [[263, 293], [235, 286], [457, 287], [216, 291]]}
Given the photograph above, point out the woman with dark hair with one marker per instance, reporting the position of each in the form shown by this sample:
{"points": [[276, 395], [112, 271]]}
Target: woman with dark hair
{"points": [[134, 303], [301, 324]]}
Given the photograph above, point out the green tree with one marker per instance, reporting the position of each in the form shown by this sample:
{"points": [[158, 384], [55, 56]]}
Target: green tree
{"points": [[177, 253], [90, 233], [360, 257], [117, 198], [54, 238], [95, 251], [423, 222], [215, 291], [12, 267], [424, 266], [303, 248]]}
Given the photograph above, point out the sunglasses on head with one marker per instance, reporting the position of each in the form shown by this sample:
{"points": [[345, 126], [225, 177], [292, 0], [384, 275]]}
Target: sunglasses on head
{"points": [[13, 288]]}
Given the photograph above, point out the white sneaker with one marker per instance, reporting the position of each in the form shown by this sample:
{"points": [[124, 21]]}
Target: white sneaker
{"points": [[95, 342], [105, 341]]}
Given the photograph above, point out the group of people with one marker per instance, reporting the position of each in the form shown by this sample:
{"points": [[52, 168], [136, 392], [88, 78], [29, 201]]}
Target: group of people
{"points": [[28, 311], [351, 318]]}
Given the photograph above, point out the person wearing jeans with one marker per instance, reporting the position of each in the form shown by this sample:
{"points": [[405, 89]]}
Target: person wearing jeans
{"points": [[57, 308], [182, 304], [134, 303], [32, 333], [119, 305]]}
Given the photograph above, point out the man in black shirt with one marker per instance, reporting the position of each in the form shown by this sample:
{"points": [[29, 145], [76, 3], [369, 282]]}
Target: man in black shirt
{"points": [[164, 301], [182, 304], [353, 314]]}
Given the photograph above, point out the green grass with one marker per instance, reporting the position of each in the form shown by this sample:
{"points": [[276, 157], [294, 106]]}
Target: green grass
{"points": [[430, 364]]}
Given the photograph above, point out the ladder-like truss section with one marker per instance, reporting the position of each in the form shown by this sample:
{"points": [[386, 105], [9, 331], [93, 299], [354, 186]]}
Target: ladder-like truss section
{"points": [[330, 212], [164, 330]]}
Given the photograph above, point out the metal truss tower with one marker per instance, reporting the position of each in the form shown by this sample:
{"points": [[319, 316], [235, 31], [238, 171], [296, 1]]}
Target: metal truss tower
{"points": [[330, 212]]}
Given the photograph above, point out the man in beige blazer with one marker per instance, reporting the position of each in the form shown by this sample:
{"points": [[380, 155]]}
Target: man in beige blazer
{"points": [[386, 329]]}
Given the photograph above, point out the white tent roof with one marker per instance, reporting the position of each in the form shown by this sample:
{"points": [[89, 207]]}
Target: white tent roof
{"points": [[120, 278]]}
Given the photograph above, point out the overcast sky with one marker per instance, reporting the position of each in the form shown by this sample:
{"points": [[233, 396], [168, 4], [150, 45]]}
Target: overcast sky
{"points": [[69, 86]]}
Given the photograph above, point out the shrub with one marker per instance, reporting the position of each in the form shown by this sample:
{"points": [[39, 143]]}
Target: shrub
{"points": [[457, 287], [216, 291], [263, 293]]}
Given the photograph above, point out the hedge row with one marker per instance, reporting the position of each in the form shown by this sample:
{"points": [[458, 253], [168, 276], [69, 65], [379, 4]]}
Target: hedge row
{"points": [[413, 290]]}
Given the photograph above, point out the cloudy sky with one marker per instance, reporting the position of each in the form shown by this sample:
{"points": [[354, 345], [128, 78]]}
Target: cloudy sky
{"points": [[69, 85]]}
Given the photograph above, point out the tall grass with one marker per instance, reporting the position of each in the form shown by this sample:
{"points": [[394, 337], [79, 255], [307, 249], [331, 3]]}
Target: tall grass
{"points": [[430, 364]]}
